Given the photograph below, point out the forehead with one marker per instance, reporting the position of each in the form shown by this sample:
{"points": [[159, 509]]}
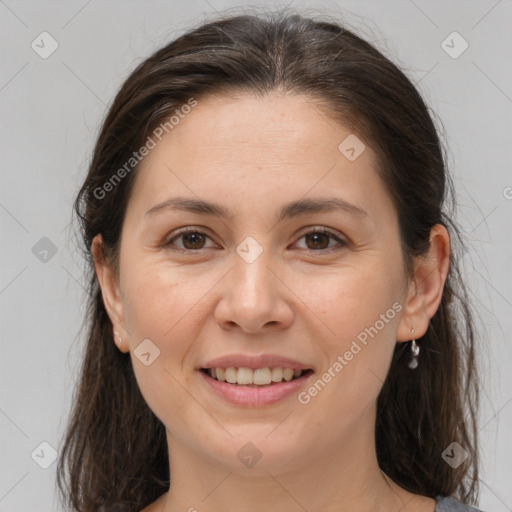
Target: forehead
{"points": [[273, 122], [255, 148]]}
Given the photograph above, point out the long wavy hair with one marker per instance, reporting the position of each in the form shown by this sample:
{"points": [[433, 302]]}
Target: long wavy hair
{"points": [[114, 455]]}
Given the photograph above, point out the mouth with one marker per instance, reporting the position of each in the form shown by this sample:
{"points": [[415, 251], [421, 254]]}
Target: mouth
{"points": [[255, 378], [258, 387]]}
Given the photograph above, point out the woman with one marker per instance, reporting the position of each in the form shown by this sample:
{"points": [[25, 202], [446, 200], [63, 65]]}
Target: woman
{"points": [[276, 319]]}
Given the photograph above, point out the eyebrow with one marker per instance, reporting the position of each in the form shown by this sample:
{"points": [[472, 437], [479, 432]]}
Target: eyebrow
{"points": [[293, 209]]}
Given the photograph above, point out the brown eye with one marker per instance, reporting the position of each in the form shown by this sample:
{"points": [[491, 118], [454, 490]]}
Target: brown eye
{"points": [[318, 240], [190, 240], [193, 240]]}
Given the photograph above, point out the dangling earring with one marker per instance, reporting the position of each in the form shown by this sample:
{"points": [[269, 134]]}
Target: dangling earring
{"points": [[415, 351], [118, 338]]}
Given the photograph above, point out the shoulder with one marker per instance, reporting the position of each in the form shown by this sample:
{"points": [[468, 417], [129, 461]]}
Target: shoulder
{"points": [[449, 504]]}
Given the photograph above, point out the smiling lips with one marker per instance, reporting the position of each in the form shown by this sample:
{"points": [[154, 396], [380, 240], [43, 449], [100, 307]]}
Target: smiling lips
{"points": [[262, 370], [254, 380], [259, 376]]}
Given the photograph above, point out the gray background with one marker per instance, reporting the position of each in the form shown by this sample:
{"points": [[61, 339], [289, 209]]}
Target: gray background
{"points": [[51, 110]]}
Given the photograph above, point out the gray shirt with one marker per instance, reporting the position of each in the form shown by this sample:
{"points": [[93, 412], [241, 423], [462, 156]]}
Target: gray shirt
{"points": [[448, 504]]}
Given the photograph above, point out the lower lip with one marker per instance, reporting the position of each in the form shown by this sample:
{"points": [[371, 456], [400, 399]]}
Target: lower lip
{"points": [[255, 397]]}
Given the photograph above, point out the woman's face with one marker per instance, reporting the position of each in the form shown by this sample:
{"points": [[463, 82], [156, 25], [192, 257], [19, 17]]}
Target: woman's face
{"points": [[254, 284]]}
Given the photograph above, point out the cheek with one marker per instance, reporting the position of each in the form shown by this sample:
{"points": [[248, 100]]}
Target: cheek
{"points": [[157, 301], [350, 300], [159, 306], [360, 311]]}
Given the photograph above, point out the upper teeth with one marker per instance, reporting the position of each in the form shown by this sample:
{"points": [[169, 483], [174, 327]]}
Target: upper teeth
{"points": [[259, 376]]}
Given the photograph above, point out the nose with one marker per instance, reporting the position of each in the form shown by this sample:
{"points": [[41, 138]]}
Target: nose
{"points": [[254, 298]]}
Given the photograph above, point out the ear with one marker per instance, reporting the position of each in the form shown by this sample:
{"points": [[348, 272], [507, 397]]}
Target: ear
{"points": [[426, 289], [111, 295]]}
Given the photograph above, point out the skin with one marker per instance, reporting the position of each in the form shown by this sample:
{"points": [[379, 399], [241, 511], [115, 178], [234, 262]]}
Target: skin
{"points": [[253, 155]]}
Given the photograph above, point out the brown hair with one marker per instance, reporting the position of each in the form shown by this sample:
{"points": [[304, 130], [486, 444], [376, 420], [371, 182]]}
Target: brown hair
{"points": [[114, 456]]}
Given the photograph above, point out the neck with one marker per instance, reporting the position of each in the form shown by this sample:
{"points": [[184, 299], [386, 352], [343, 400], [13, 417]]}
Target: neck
{"points": [[346, 477]]}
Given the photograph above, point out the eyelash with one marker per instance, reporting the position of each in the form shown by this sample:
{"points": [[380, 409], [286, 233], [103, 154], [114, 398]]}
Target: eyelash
{"points": [[342, 244]]}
